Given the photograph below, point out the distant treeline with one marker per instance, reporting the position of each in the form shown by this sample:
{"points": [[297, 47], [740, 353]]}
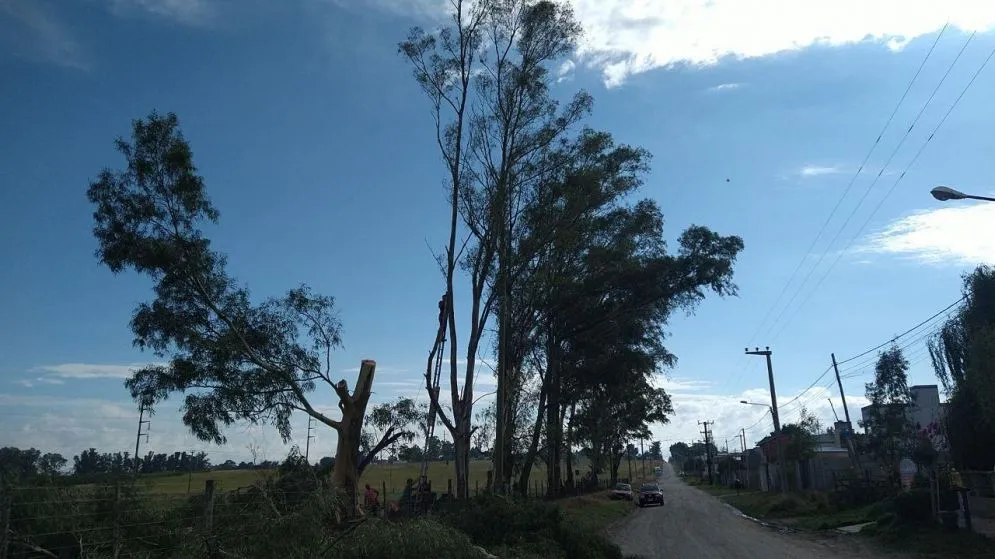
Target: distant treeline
{"points": [[31, 465]]}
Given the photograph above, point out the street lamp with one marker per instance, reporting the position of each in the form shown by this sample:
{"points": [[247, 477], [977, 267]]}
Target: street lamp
{"points": [[761, 405], [777, 441], [944, 193]]}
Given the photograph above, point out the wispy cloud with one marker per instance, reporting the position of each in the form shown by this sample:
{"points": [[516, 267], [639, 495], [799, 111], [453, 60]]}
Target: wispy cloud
{"points": [[955, 235], [627, 37], [87, 371], [724, 87], [680, 384], [190, 12], [29, 29], [819, 170], [730, 416], [109, 425], [380, 370], [566, 71]]}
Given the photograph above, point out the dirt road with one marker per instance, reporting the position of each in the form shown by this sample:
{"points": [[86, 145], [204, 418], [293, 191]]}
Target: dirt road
{"points": [[695, 525]]}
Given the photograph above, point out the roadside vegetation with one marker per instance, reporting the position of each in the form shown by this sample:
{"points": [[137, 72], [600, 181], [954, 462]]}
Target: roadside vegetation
{"points": [[902, 523], [296, 512]]}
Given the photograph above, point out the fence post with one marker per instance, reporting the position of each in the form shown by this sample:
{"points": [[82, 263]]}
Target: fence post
{"points": [[117, 518], [476, 487], [209, 515], [5, 504], [384, 498], [450, 487]]}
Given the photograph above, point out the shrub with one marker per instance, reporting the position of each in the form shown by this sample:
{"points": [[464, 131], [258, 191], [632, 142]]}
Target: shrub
{"points": [[585, 544], [784, 505], [492, 520], [821, 502], [413, 539], [526, 529], [913, 506]]}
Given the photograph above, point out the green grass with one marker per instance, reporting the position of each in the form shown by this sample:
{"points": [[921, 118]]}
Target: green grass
{"points": [[845, 517], [805, 511], [930, 541], [596, 511], [391, 476], [719, 490]]}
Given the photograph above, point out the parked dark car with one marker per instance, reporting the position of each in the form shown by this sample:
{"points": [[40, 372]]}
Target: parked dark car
{"points": [[650, 494], [621, 491]]}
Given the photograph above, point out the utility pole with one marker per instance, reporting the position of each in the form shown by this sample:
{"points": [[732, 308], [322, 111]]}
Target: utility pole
{"points": [[846, 411], [846, 437], [708, 448], [766, 352], [642, 451], [307, 444], [628, 452], [138, 438], [746, 459], [770, 377]]}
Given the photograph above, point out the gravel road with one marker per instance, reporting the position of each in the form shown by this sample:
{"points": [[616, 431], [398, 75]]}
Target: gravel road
{"points": [[695, 525]]}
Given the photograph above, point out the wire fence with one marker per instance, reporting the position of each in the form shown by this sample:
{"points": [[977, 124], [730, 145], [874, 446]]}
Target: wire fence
{"points": [[127, 518]]}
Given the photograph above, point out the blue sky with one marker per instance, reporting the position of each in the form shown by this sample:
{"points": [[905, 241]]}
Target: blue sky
{"points": [[316, 145]]}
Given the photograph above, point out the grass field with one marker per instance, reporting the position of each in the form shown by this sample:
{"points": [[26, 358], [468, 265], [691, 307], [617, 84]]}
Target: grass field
{"points": [[391, 476]]}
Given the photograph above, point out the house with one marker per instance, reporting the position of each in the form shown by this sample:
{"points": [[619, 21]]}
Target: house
{"points": [[829, 458], [925, 409]]}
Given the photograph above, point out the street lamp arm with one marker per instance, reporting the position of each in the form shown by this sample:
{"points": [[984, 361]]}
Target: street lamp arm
{"points": [[945, 193]]}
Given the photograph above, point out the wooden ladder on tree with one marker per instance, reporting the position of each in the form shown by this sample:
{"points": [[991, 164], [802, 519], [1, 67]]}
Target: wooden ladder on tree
{"points": [[439, 350]]}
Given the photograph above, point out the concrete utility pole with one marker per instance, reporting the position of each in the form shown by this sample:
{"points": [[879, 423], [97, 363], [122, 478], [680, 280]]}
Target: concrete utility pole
{"points": [[708, 448], [766, 352], [846, 411], [307, 444], [138, 438], [642, 451], [770, 377], [746, 459], [846, 437]]}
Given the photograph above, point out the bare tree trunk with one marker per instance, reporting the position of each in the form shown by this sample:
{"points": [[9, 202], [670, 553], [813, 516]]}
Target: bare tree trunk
{"points": [[615, 461], [461, 458], [554, 420], [568, 451], [345, 473], [530, 456]]}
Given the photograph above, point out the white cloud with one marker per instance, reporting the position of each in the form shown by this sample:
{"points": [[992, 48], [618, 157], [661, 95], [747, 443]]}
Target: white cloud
{"points": [[381, 369], [730, 416], [627, 37], [110, 426], [724, 87], [818, 170], [29, 29], [672, 385], [566, 71], [962, 234], [87, 371], [191, 12]]}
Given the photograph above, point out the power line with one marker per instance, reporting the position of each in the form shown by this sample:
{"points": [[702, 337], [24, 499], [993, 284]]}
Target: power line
{"points": [[860, 203], [903, 334], [820, 377], [849, 186], [864, 353], [922, 148]]}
